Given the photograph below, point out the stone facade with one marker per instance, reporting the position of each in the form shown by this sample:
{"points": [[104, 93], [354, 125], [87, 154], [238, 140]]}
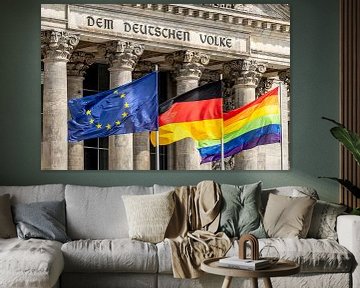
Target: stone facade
{"points": [[248, 45]]}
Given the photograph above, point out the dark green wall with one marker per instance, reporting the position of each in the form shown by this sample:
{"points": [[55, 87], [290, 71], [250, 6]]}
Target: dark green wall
{"points": [[314, 73]]}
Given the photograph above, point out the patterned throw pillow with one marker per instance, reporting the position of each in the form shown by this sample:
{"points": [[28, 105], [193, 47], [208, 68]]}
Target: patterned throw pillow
{"points": [[323, 222], [7, 226], [240, 213], [288, 217], [149, 215]]}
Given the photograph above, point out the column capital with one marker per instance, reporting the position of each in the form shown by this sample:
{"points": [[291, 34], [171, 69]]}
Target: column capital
{"points": [[79, 62], [142, 68], [245, 71], [284, 76], [265, 85], [187, 63], [123, 54], [209, 76], [58, 45]]}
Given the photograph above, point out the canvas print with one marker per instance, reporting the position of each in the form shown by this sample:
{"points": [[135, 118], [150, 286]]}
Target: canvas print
{"points": [[165, 86]]}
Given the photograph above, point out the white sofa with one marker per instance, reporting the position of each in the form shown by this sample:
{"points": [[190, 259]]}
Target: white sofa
{"points": [[101, 254]]}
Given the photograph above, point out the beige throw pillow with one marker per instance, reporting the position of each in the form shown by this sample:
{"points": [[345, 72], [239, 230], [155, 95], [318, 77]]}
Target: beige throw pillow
{"points": [[7, 226], [149, 215], [288, 217]]}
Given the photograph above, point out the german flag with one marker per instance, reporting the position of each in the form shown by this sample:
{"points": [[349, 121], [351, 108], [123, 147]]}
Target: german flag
{"points": [[195, 114]]}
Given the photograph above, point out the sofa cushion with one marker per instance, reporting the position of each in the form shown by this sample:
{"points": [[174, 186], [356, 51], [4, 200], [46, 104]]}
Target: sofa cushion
{"points": [[98, 213], [30, 263], [323, 222], [7, 226], [313, 255], [117, 255], [43, 220], [240, 210], [287, 216], [34, 193], [149, 215]]}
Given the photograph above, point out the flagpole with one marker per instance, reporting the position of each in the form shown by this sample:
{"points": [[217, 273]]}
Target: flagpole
{"points": [[222, 134], [157, 131], [281, 126]]}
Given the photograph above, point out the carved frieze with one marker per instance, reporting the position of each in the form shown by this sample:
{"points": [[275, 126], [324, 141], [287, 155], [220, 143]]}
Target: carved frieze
{"points": [[245, 71], [57, 45], [123, 54], [188, 63], [79, 62]]}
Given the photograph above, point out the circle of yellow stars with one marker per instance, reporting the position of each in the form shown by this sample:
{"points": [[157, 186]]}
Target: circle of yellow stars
{"points": [[118, 122]]}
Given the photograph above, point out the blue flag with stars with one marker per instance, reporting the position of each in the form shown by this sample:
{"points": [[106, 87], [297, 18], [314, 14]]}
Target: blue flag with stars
{"points": [[130, 108]]}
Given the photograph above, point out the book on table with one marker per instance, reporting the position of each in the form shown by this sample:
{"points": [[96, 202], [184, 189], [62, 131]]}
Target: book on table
{"points": [[249, 264]]}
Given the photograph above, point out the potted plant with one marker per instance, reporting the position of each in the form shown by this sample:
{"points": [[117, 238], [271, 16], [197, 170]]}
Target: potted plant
{"points": [[351, 141]]}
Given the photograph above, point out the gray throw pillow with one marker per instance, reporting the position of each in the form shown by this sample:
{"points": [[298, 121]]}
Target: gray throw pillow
{"points": [[323, 222], [7, 227], [240, 213], [44, 220]]}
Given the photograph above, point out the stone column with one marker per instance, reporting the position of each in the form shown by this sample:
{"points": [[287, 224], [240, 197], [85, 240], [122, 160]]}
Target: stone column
{"points": [[284, 77], [56, 47], [122, 57], [247, 74], [76, 68], [188, 66], [141, 140]]}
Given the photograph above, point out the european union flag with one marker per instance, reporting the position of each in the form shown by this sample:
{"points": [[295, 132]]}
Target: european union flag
{"points": [[130, 108]]}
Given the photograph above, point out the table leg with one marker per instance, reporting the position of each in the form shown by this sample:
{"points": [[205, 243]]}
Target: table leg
{"points": [[227, 282], [254, 282], [267, 283]]}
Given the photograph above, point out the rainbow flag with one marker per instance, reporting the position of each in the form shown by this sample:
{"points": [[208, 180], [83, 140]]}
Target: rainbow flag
{"points": [[257, 123], [196, 114]]}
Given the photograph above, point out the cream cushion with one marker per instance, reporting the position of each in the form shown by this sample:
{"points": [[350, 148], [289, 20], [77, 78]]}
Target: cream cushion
{"points": [[149, 215], [98, 212], [110, 255], [287, 217], [30, 263]]}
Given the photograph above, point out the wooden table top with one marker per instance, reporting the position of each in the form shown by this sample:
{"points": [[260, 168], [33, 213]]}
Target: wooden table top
{"points": [[281, 268]]}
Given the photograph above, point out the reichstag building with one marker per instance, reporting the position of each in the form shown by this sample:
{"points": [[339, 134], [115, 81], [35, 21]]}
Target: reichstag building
{"points": [[88, 48]]}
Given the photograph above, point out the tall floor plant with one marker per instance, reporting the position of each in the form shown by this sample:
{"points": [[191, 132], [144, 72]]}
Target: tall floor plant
{"points": [[351, 142]]}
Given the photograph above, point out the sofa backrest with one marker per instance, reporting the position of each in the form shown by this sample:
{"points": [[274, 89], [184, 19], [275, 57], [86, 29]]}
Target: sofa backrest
{"points": [[98, 212], [293, 191], [35, 193]]}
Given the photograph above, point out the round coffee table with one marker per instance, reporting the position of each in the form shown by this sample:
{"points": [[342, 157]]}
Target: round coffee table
{"points": [[281, 268]]}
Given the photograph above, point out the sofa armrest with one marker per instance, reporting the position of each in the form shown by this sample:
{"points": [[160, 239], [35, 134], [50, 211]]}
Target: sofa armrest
{"points": [[348, 230]]}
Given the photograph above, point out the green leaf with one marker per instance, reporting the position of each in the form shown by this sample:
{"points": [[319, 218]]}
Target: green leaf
{"points": [[349, 139], [347, 184]]}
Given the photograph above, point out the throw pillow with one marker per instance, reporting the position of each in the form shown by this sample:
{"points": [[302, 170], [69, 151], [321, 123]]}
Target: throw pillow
{"points": [[323, 222], [149, 215], [240, 213], [7, 227], [288, 217], [44, 220]]}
